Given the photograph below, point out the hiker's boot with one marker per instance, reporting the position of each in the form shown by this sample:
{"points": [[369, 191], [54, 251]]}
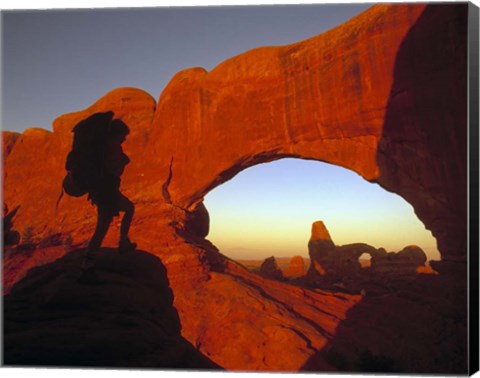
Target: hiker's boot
{"points": [[126, 245]]}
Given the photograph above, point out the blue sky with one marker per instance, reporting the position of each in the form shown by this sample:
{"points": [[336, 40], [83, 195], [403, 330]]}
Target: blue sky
{"points": [[55, 62]]}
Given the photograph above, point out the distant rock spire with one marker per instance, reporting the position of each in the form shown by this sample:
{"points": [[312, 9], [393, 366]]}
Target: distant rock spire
{"points": [[319, 231]]}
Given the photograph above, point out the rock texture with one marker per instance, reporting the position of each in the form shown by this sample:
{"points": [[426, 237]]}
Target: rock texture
{"points": [[349, 97], [383, 95], [8, 141], [372, 95], [236, 319]]}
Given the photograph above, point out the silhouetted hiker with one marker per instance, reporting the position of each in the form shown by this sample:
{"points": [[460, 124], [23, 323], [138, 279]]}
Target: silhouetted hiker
{"points": [[107, 196], [95, 166]]}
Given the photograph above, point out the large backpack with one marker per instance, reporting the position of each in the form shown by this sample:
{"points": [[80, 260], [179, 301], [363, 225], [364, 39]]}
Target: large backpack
{"points": [[85, 160]]}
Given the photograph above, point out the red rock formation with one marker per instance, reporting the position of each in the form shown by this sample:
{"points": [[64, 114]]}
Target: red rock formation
{"points": [[331, 263], [321, 251], [269, 269], [35, 166], [8, 141], [383, 95], [407, 261], [347, 97], [304, 100], [246, 322], [296, 268], [320, 232]]}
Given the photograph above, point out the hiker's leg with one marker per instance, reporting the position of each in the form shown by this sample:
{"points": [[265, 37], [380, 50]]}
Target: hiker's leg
{"points": [[89, 274], [104, 218], [128, 207]]}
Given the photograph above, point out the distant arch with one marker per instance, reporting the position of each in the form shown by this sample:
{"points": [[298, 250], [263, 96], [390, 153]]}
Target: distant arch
{"points": [[365, 260]]}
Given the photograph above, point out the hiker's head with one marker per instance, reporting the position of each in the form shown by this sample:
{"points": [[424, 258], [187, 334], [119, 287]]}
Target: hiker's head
{"points": [[118, 130]]}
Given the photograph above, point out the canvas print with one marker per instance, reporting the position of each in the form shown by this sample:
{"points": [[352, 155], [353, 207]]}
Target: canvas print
{"points": [[248, 188]]}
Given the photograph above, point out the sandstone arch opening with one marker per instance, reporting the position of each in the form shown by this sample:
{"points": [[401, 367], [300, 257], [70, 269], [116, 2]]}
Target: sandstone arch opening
{"points": [[365, 260], [268, 209]]}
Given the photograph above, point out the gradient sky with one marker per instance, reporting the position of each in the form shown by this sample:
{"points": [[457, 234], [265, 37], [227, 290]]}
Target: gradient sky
{"points": [[55, 62], [268, 210]]}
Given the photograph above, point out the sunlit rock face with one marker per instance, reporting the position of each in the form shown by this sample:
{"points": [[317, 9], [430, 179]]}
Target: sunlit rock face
{"points": [[383, 95], [296, 268], [35, 166]]}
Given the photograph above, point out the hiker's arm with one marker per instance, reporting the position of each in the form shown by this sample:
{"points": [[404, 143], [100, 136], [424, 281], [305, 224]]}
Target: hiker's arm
{"points": [[115, 163]]}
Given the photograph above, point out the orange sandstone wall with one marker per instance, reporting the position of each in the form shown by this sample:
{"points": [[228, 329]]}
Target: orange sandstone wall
{"points": [[35, 166], [383, 94]]}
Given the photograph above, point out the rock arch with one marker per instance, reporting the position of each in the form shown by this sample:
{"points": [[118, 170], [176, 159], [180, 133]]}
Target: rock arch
{"points": [[367, 257], [383, 95]]}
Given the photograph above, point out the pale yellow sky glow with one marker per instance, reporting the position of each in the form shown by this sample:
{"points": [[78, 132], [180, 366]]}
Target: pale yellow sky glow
{"points": [[268, 210]]}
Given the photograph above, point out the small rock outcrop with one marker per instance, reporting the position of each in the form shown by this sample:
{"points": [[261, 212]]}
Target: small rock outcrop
{"points": [[331, 263], [407, 261], [296, 268], [269, 269], [320, 250]]}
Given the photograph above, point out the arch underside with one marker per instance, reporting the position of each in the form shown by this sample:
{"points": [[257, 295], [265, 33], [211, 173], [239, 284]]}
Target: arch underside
{"points": [[384, 95]]}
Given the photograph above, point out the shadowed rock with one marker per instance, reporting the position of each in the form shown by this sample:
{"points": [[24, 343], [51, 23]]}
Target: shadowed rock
{"points": [[407, 261], [10, 236], [426, 309], [125, 318], [330, 263], [269, 269], [320, 250]]}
